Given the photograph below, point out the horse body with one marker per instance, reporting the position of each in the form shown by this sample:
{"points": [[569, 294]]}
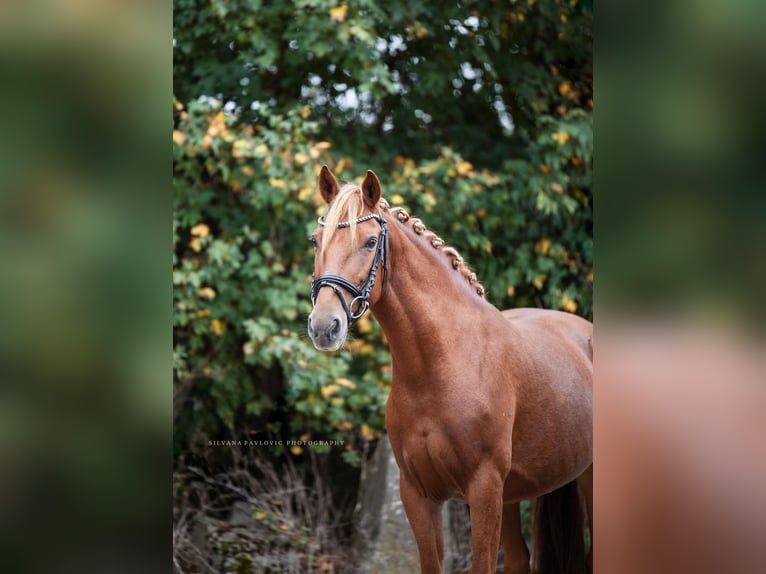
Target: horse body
{"points": [[554, 384], [489, 406]]}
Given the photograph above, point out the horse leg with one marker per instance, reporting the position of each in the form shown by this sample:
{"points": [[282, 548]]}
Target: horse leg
{"points": [[515, 551], [485, 498], [425, 518], [585, 484]]}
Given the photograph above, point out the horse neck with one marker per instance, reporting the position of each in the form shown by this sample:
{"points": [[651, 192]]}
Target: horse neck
{"points": [[427, 308]]}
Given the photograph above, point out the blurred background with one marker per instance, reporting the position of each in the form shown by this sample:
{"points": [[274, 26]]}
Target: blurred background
{"points": [[85, 344], [478, 118]]}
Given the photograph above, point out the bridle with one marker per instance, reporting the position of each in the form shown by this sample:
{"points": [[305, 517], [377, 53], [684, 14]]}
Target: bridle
{"points": [[361, 294]]}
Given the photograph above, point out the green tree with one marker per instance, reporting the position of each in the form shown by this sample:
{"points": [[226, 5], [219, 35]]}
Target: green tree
{"points": [[483, 109], [395, 78]]}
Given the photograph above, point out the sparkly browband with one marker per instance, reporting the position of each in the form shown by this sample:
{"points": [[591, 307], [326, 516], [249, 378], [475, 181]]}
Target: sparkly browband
{"points": [[362, 219]]}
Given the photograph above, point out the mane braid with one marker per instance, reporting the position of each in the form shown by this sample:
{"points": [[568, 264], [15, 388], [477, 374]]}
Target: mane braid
{"points": [[457, 262]]}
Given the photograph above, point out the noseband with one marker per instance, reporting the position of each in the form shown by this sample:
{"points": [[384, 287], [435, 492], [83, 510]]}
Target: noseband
{"points": [[361, 294]]}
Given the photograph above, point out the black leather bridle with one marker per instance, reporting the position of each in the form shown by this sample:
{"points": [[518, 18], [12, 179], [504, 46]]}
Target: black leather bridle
{"points": [[361, 294]]}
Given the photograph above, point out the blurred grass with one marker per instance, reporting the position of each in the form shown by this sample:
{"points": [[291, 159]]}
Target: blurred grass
{"points": [[85, 405]]}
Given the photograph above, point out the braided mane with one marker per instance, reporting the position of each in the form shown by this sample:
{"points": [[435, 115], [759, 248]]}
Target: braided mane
{"points": [[348, 206], [457, 261]]}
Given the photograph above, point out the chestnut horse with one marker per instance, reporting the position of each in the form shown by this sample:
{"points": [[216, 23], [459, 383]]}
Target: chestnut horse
{"points": [[488, 406]]}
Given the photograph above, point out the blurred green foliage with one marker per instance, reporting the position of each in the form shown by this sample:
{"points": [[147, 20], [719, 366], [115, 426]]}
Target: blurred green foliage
{"points": [[477, 118], [394, 78]]}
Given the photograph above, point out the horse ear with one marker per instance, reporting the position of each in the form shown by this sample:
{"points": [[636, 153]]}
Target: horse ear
{"points": [[371, 189], [328, 185]]}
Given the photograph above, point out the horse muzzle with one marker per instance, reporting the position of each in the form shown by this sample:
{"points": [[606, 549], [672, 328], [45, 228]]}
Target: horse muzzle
{"points": [[327, 330]]}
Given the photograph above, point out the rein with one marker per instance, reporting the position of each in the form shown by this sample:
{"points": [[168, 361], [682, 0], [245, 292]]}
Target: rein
{"points": [[361, 294]]}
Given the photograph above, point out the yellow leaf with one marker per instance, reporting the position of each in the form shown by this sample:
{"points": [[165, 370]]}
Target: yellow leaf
{"points": [[511, 291], [554, 70], [568, 304], [364, 325], [247, 170], [345, 425], [301, 157], [543, 246], [367, 349], [539, 281], [304, 437], [565, 88], [397, 199], [305, 193], [561, 137], [343, 382], [356, 345], [284, 526], [563, 18], [328, 390], [217, 327], [235, 185], [296, 450], [260, 515], [179, 137], [464, 167], [323, 145], [200, 230], [345, 163], [275, 182], [241, 148], [544, 168], [207, 293], [262, 149], [194, 244], [339, 14], [202, 313], [366, 432]]}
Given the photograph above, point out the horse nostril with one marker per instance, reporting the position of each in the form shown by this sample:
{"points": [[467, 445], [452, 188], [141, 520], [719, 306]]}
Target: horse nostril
{"points": [[333, 329], [311, 328]]}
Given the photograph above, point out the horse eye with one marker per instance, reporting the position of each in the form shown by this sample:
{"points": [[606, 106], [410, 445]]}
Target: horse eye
{"points": [[313, 240], [371, 242]]}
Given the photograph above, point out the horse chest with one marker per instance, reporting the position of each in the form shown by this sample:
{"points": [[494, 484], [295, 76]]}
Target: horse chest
{"points": [[431, 463], [438, 453]]}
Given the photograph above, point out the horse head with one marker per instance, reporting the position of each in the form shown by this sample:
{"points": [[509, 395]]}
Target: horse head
{"points": [[350, 247]]}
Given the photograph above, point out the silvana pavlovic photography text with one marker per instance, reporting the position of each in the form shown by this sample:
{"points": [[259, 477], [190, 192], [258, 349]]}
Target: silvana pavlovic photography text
{"points": [[272, 443]]}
